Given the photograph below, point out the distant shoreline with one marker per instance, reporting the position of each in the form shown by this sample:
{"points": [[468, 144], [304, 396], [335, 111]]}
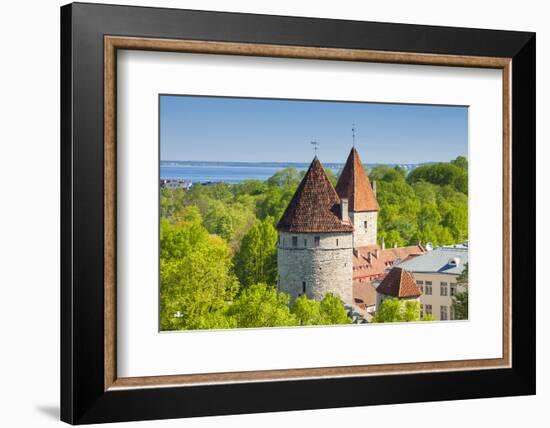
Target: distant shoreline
{"points": [[237, 172], [300, 165]]}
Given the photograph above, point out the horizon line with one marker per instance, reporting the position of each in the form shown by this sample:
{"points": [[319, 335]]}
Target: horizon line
{"points": [[307, 162]]}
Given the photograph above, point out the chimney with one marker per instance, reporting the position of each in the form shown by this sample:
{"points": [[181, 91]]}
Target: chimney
{"points": [[376, 253], [374, 187], [383, 244], [344, 209]]}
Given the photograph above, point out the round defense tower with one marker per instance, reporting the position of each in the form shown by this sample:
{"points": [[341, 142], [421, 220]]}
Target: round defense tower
{"points": [[314, 264], [315, 249]]}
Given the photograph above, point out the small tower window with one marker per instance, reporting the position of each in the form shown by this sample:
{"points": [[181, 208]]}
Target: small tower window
{"points": [[303, 287], [317, 241], [366, 224], [294, 241], [336, 241], [305, 242]]}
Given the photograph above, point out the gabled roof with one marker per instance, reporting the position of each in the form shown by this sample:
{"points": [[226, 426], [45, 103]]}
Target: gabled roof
{"points": [[354, 185], [399, 283], [315, 207]]}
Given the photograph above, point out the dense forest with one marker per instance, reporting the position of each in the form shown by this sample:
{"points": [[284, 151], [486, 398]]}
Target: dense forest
{"points": [[218, 257]]}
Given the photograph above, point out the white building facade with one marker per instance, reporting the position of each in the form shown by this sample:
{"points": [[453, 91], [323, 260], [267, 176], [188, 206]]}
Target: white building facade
{"points": [[436, 274]]}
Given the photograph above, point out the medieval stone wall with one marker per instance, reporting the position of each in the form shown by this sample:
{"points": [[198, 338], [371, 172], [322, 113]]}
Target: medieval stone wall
{"points": [[364, 235], [318, 269]]}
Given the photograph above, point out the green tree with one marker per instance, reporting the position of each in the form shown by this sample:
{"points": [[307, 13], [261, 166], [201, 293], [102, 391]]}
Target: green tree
{"points": [[329, 311], [261, 306], [307, 311], [441, 174], [171, 201], [194, 291], [387, 174], [396, 310], [285, 177], [460, 300], [333, 310], [461, 162], [274, 202], [250, 187], [389, 311], [256, 260]]}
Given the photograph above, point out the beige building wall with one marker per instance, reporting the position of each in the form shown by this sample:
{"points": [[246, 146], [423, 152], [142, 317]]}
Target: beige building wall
{"points": [[313, 267], [365, 225], [440, 298]]}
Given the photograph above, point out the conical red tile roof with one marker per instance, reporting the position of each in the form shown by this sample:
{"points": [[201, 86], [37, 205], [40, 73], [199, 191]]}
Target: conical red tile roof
{"points": [[315, 207], [354, 184], [399, 283]]}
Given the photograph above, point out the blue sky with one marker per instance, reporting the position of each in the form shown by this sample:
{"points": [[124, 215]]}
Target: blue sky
{"points": [[267, 130]]}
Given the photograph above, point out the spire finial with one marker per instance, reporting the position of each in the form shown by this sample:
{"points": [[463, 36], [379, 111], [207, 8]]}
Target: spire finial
{"points": [[353, 134], [315, 144]]}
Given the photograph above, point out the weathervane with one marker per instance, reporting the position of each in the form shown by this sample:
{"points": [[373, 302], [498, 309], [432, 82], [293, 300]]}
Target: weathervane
{"points": [[353, 133], [315, 144]]}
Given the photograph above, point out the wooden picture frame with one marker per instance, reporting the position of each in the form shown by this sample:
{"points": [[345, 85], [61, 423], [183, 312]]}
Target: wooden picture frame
{"points": [[91, 390]]}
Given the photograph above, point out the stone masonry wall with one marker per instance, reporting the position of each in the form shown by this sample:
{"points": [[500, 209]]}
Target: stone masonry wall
{"points": [[364, 236], [325, 268]]}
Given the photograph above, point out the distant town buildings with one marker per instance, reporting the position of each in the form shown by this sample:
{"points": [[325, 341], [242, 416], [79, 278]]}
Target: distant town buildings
{"points": [[328, 244], [175, 184]]}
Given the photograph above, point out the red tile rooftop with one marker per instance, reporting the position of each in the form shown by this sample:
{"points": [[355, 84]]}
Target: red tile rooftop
{"points": [[315, 207], [399, 283], [370, 262]]}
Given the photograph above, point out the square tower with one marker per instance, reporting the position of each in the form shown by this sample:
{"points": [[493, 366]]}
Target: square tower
{"points": [[355, 186]]}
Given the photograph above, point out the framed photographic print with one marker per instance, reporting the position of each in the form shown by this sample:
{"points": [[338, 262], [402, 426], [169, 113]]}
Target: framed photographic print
{"points": [[266, 213]]}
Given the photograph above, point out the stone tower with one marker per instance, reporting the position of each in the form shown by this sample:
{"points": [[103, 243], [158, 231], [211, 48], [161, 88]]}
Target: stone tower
{"points": [[355, 186], [315, 248]]}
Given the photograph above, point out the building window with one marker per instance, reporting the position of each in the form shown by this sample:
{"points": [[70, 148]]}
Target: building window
{"points": [[294, 241], [443, 289], [428, 290], [421, 311], [366, 223], [317, 241], [303, 287], [420, 285], [443, 314], [336, 241], [305, 242], [428, 309], [453, 288]]}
